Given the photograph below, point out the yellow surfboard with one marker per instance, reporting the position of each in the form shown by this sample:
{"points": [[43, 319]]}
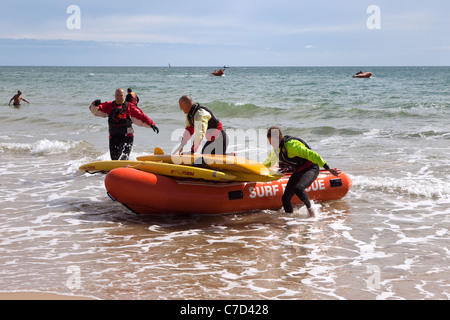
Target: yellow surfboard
{"points": [[248, 177], [108, 165], [167, 169], [219, 162]]}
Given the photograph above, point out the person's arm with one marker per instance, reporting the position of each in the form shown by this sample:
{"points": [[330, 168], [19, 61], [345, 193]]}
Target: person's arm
{"points": [[334, 172], [100, 109], [141, 119], [187, 134], [272, 159], [297, 149]]}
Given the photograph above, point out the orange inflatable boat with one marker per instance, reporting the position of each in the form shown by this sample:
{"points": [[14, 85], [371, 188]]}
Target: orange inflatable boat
{"points": [[148, 193], [363, 75], [218, 73]]}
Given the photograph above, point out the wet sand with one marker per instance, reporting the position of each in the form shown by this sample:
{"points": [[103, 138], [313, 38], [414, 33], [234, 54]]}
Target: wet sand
{"points": [[38, 296]]}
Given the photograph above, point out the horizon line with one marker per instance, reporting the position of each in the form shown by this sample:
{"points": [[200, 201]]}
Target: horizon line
{"points": [[229, 66]]}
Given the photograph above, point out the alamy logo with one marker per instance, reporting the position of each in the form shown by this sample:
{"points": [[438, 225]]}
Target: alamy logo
{"points": [[373, 282], [374, 21], [74, 280], [73, 22]]}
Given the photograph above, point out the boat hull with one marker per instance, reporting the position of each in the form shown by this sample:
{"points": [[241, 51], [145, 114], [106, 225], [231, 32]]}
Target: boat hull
{"points": [[363, 75], [147, 193]]}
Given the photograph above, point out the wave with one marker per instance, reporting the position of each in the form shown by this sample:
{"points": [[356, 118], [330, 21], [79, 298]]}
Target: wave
{"points": [[331, 131], [399, 110], [240, 110], [45, 147], [390, 134], [377, 113], [430, 134], [421, 186]]}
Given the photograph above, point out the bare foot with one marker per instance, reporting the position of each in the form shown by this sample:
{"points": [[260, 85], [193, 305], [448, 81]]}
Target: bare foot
{"points": [[312, 212]]}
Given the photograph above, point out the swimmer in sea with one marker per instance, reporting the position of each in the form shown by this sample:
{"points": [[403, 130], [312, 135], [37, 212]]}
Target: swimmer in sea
{"points": [[17, 99]]}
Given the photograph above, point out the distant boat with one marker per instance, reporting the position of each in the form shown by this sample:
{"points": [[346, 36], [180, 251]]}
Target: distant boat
{"points": [[218, 73], [363, 75], [226, 66]]}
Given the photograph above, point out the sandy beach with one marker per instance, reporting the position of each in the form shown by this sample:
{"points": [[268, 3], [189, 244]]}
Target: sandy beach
{"points": [[38, 296]]}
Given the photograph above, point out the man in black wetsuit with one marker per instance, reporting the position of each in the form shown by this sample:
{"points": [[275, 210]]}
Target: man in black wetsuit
{"points": [[295, 153]]}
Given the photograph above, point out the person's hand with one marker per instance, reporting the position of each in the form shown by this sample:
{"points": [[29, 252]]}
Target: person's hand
{"points": [[334, 172], [179, 150], [155, 129]]}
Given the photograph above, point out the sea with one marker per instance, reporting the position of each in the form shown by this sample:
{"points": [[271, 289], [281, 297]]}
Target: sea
{"points": [[388, 238]]}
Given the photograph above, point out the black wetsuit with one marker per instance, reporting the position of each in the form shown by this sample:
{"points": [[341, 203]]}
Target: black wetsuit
{"points": [[120, 126], [305, 171]]}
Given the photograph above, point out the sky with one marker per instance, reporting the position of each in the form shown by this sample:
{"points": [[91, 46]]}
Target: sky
{"points": [[227, 32]]}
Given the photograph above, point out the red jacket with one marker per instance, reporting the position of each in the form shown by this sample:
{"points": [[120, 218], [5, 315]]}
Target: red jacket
{"points": [[137, 115]]}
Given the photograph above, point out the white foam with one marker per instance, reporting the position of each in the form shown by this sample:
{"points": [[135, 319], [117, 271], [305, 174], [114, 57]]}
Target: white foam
{"points": [[416, 186], [372, 133], [421, 289], [41, 147], [407, 264]]}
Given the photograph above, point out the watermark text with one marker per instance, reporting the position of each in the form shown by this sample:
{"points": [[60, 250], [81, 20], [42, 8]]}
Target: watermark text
{"points": [[74, 280], [374, 21], [73, 22]]}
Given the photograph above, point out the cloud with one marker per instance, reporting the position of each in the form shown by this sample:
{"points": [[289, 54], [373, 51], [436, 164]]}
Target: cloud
{"points": [[290, 28], [216, 28], [136, 28]]}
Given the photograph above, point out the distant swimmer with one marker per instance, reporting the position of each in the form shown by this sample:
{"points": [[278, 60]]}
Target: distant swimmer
{"points": [[132, 97], [202, 123], [17, 99], [295, 153], [121, 115]]}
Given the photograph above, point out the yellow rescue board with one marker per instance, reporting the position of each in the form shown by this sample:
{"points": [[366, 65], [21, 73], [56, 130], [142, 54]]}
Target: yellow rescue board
{"points": [[248, 177], [219, 162], [166, 169]]}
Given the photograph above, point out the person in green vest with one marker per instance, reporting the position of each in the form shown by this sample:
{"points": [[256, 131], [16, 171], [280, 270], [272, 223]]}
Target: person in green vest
{"points": [[294, 154]]}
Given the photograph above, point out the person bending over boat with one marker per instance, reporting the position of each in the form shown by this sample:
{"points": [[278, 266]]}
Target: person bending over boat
{"points": [[121, 115], [295, 154], [202, 123]]}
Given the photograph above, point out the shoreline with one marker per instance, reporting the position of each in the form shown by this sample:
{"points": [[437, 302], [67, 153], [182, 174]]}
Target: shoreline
{"points": [[39, 296]]}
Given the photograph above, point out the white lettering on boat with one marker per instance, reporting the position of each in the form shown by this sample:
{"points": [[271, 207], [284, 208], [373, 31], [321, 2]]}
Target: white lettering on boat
{"points": [[272, 190]]}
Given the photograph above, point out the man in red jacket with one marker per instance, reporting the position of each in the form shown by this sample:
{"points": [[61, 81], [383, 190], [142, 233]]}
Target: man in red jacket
{"points": [[121, 115]]}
